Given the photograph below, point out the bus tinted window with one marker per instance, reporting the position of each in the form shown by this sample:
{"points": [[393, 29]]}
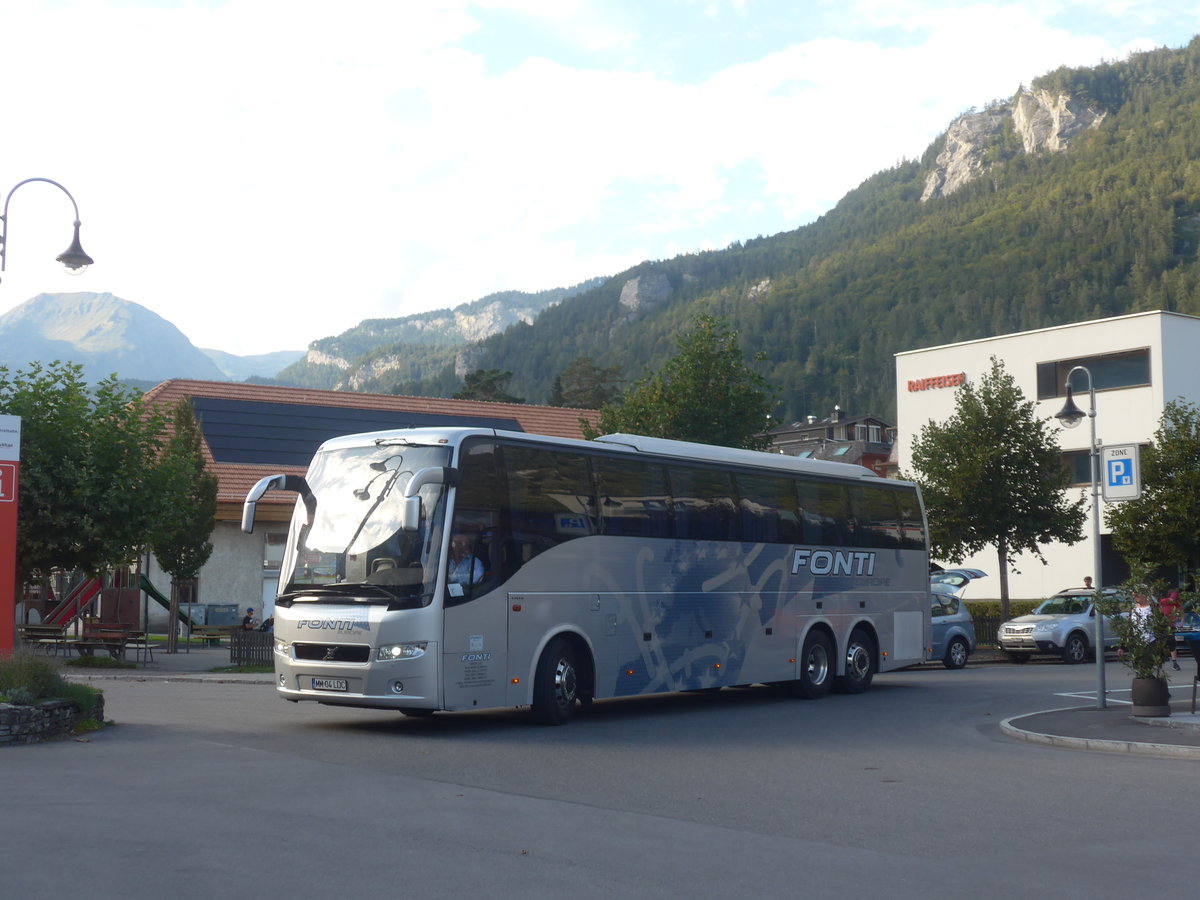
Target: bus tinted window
{"points": [[632, 498], [824, 508], [703, 503], [912, 526], [550, 498], [875, 516], [769, 511]]}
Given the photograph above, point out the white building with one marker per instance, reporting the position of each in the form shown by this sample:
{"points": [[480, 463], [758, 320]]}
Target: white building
{"points": [[1139, 362]]}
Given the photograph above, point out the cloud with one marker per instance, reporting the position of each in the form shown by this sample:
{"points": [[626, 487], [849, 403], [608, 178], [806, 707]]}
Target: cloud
{"points": [[264, 173]]}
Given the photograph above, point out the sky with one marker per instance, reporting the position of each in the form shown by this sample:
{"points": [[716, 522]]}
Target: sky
{"points": [[263, 173]]}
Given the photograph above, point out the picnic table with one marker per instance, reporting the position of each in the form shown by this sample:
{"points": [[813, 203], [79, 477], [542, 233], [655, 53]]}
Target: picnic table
{"points": [[50, 638], [110, 636]]}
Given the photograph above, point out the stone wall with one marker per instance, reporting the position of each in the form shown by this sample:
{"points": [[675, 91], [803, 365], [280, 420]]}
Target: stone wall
{"points": [[45, 721]]}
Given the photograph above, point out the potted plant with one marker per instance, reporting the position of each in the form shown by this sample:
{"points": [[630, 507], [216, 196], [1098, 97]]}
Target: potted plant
{"points": [[1144, 640]]}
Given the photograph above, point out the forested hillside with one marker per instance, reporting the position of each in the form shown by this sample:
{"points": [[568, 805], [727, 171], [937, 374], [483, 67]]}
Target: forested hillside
{"points": [[1106, 227]]}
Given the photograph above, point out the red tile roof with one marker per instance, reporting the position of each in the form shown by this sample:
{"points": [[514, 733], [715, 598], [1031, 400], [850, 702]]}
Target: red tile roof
{"points": [[235, 479]]}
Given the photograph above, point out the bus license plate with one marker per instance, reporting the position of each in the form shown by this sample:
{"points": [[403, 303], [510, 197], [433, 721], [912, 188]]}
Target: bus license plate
{"points": [[329, 684]]}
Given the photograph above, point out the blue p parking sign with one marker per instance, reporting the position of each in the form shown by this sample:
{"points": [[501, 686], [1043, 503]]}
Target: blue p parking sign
{"points": [[1121, 472]]}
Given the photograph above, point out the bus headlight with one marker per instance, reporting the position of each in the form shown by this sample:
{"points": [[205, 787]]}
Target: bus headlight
{"points": [[413, 650], [283, 648]]}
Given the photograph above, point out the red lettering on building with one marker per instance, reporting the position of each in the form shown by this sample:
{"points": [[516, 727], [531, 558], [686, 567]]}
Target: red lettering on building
{"points": [[939, 381]]}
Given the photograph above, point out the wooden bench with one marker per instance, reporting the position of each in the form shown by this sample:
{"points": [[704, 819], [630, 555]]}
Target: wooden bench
{"points": [[212, 634], [50, 638], [109, 636]]}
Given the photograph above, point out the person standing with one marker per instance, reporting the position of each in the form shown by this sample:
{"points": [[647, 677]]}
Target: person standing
{"points": [[248, 621]]}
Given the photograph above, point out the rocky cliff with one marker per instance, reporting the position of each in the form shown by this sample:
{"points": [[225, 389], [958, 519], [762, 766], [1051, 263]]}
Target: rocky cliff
{"points": [[1043, 121]]}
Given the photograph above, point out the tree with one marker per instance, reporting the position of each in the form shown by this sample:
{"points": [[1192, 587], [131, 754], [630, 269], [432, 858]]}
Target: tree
{"points": [[993, 475], [585, 385], [1162, 527], [180, 541], [487, 384], [706, 393], [88, 494]]}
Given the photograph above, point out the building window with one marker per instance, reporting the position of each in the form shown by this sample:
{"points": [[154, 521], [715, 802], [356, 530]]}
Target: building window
{"points": [[875, 434], [1112, 370], [1079, 464], [274, 543]]}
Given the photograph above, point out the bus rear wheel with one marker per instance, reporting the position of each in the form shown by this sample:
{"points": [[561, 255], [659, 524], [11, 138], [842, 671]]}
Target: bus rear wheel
{"points": [[556, 684], [860, 663]]}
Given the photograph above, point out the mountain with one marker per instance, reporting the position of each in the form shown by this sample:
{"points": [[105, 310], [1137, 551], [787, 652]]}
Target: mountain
{"points": [[107, 335], [104, 334], [260, 365], [388, 355], [1077, 198]]}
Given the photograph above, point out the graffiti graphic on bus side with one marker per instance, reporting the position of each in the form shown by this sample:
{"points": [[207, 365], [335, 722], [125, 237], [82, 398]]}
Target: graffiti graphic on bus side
{"points": [[833, 562]]}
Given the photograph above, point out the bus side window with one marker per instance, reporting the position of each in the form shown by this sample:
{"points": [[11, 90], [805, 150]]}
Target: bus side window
{"points": [[703, 502], [633, 498], [769, 512], [477, 510], [549, 499]]}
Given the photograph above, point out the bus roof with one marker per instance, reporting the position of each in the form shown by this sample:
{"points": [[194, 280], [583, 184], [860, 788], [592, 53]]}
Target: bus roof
{"points": [[628, 443]]}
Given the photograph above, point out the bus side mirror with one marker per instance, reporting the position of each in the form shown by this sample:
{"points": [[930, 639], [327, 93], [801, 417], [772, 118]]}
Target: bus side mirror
{"points": [[276, 482], [411, 513]]}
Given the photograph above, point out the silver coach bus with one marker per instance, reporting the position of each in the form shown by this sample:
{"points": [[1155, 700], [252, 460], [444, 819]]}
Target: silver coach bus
{"points": [[464, 568]]}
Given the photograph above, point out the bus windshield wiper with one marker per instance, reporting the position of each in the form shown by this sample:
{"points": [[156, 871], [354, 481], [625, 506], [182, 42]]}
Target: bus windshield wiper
{"points": [[342, 589]]}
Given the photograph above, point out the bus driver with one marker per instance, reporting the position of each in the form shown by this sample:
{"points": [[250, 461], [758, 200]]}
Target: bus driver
{"points": [[464, 567]]}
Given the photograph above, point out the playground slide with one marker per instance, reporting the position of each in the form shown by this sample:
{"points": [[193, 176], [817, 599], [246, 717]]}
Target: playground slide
{"points": [[74, 603], [164, 602]]}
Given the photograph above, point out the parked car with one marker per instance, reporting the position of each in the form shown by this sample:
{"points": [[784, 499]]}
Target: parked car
{"points": [[953, 629], [1064, 625]]}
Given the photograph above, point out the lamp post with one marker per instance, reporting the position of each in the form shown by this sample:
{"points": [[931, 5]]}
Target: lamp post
{"points": [[1070, 416], [73, 258]]}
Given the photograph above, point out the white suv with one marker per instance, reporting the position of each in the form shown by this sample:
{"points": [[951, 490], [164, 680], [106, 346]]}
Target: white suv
{"points": [[1064, 625]]}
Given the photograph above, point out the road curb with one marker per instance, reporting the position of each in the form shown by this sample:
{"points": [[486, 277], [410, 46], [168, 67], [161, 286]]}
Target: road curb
{"points": [[1142, 748]]}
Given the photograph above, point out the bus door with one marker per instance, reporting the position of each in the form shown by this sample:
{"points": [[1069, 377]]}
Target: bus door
{"points": [[474, 649]]}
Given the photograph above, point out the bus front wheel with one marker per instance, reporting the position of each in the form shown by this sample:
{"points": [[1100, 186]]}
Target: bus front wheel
{"points": [[860, 663], [816, 668], [556, 684]]}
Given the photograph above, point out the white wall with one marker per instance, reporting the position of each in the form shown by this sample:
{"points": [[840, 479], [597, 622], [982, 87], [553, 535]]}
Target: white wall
{"points": [[1123, 416], [233, 574]]}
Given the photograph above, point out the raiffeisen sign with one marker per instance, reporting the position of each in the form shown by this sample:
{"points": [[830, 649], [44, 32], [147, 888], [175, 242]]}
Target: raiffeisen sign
{"points": [[938, 381]]}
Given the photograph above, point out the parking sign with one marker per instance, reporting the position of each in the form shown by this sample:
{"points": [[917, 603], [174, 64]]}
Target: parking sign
{"points": [[1121, 473]]}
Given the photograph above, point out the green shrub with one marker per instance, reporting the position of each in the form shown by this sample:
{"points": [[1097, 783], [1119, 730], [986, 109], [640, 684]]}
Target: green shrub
{"points": [[991, 608], [99, 662], [28, 679], [35, 674]]}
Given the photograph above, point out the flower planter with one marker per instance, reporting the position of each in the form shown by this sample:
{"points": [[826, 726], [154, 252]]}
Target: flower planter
{"points": [[1151, 697]]}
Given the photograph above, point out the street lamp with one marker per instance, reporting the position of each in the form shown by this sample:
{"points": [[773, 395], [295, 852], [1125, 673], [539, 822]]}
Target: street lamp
{"points": [[73, 258], [1070, 416]]}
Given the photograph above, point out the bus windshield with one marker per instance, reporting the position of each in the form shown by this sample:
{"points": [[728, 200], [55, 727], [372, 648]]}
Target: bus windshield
{"points": [[355, 539]]}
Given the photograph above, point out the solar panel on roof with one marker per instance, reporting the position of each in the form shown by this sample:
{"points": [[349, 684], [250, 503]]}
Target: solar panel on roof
{"points": [[288, 434]]}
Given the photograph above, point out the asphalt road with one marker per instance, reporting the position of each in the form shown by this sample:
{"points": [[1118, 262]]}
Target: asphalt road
{"points": [[909, 790]]}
